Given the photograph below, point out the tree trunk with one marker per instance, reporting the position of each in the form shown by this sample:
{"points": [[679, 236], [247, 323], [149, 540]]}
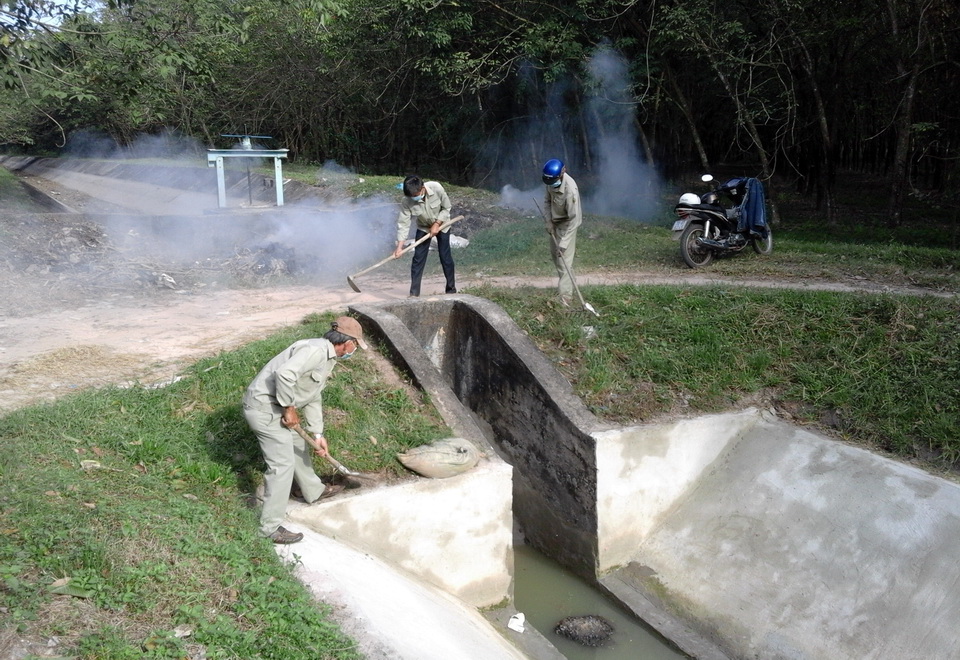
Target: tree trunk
{"points": [[751, 127], [684, 105]]}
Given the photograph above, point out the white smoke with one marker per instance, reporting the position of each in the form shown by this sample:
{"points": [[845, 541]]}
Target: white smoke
{"points": [[171, 214], [613, 176]]}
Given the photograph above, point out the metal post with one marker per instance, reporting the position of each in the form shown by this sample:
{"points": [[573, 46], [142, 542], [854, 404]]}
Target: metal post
{"points": [[221, 185], [278, 175]]}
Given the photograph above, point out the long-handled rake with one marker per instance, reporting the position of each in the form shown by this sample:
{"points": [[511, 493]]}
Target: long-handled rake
{"points": [[351, 279]]}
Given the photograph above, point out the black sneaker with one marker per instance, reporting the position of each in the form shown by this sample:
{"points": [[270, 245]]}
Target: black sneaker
{"points": [[284, 536]]}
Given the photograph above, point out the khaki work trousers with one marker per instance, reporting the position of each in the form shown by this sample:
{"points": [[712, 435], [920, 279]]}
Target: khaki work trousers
{"points": [[565, 286], [288, 457]]}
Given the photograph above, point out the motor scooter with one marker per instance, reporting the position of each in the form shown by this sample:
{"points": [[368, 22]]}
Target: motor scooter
{"points": [[706, 228]]}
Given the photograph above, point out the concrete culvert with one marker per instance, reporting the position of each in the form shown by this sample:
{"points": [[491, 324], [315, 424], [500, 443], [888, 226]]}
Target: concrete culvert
{"points": [[589, 630]]}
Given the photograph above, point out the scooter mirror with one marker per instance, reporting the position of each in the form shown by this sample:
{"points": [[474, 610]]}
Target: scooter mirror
{"points": [[707, 178]]}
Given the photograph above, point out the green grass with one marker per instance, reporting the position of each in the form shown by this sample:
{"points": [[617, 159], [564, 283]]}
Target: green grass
{"points": [[123, 514], [15, 198], [884, 370]]}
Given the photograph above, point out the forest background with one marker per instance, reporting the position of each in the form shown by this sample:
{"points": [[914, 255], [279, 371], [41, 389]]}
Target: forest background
{"points": [[481, 92]]}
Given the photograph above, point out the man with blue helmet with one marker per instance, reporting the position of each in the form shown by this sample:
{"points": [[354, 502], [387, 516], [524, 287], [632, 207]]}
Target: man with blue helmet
{"points": [[564, 215]]}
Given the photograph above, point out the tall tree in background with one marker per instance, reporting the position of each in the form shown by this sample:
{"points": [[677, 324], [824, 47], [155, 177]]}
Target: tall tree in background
{"points": [[917, 49], [802, 89]]}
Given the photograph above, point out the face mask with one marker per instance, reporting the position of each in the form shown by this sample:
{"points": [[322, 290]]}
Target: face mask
{"points": [[417, 199], [347, 356], [556, 184]]}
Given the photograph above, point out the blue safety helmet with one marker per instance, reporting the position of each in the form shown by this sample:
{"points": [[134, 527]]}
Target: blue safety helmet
{"points": [[552, 170]]}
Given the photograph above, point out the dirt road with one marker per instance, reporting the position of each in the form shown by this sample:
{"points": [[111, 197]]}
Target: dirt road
{"points": [[61, 330]]}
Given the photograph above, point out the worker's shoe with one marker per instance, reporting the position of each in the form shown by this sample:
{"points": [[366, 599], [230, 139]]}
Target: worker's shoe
{"points": [[284, 536], [330, 491]]}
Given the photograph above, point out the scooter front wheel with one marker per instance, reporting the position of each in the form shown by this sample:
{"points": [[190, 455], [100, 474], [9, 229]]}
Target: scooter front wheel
{"points": [[763, 246], [694, 255]]}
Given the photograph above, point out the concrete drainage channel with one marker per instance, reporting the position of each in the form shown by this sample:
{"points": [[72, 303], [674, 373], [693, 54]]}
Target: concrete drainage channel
{"points": [[733, 535]]}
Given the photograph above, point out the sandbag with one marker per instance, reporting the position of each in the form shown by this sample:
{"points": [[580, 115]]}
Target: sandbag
{"points": [[442, 458]]}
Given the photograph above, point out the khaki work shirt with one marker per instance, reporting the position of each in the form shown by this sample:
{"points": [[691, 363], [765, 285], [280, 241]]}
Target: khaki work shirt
{"points": [[435, 207], [563, 207], [295, 377]]}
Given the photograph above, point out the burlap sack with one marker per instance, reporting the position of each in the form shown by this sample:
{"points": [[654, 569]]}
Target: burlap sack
{"points": [[442, 458]]}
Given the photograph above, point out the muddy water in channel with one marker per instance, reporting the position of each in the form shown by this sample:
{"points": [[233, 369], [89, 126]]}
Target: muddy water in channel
{"points": [[546, 592]]}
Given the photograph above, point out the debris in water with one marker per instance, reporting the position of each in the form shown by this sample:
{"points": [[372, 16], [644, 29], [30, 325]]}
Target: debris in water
{"points": [[589, 630]]}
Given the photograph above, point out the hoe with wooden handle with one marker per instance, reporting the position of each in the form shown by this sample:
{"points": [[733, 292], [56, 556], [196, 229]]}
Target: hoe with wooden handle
{"points": [[340, 467], [350, 278], [553, 236]]}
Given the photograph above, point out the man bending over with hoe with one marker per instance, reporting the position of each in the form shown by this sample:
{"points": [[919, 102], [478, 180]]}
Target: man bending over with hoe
{"points": [[295, 379]]}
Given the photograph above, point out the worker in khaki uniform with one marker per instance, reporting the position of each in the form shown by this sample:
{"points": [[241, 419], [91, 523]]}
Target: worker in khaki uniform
{"points": [[429, 203], [564, 214], [295, 379]]}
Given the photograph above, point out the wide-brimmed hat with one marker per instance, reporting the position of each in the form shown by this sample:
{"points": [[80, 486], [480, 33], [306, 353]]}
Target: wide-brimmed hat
{"points": [[350, 327]]}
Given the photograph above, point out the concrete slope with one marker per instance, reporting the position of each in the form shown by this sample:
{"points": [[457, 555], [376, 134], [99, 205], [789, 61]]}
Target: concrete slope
{"points": [[797, 546], [394, 616]]}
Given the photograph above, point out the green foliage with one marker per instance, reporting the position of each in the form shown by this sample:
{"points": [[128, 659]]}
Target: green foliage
{"points": [[390, 85]]}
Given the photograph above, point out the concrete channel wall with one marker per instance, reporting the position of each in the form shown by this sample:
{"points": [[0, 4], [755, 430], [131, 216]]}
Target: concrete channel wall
{"points": [[735, 535], [492, 374], [184, 189]]}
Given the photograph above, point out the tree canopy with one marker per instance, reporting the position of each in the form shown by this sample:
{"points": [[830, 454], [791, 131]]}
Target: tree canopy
{"points": [[482, 91]]}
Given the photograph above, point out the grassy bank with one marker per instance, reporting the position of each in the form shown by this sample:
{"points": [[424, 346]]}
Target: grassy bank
{"points": [[125, 530], [125, 526], [15, 198], [882, 371]]}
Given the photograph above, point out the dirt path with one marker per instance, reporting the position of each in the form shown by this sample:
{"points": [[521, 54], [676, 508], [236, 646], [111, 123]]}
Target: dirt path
{"points": [[60, 330], [47, 354]]}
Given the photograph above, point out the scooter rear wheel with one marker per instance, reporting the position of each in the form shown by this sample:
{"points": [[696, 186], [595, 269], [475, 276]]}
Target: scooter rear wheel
{"points": [[695, 256], [763, 245]]}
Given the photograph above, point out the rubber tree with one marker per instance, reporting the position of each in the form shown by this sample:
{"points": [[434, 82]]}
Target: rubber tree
{"points": [[915, 32], [748, 66]]}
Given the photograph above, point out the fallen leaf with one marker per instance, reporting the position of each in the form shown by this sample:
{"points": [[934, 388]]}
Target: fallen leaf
{"points": [[64, 588], [188, 496], [90, 465], [90, 505], [51, 493]]}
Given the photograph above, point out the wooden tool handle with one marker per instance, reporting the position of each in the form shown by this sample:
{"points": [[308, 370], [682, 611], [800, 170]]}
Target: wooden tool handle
{"points": [[405, 250], [313, 443]]}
